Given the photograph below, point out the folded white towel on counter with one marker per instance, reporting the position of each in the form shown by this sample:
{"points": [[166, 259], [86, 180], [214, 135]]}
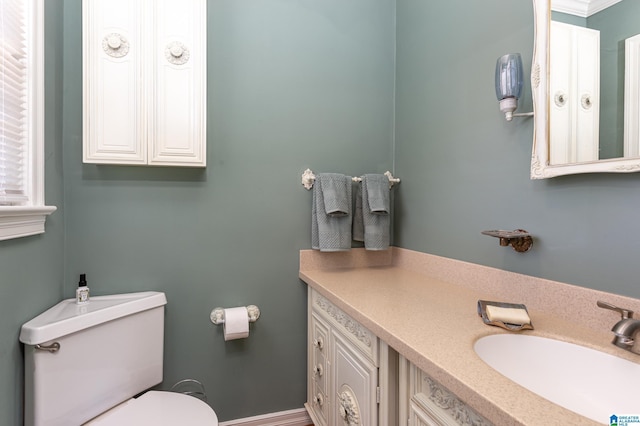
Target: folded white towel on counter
{"points": [[331, 212]]}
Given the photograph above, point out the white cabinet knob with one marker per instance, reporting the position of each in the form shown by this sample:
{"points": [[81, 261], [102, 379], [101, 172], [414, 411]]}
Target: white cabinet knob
{"points": [[115, 45], [177, 54], [114, 41], [176, 51]]}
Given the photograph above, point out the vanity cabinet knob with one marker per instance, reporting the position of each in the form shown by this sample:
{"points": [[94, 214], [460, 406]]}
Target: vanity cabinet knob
{"points": [[318, 343], [318, 370], [348, 408], [318, 399]]}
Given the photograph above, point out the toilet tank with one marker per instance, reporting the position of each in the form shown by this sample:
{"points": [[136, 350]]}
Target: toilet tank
{"points": [[110, 350]]}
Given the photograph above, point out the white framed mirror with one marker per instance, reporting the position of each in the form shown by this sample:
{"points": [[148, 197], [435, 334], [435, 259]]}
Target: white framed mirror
{"points": [[586, 91]]}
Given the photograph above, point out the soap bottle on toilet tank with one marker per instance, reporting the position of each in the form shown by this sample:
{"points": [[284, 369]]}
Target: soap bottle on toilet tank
{"points": [[82, 292]]}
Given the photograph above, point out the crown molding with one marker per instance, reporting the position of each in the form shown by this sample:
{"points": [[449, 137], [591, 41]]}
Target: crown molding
{"points": [[581, 8]]}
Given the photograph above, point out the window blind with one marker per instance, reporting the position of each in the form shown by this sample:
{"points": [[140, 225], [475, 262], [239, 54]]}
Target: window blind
{"points": [[13, 102]]}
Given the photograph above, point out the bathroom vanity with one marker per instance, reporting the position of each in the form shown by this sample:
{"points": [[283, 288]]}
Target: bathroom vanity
{"points": [[403, 324], [355, 378], [351, 370]]}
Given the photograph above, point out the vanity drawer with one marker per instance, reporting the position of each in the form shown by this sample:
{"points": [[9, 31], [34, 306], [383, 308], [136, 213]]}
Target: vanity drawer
{"points": [[319, 405], [319, 349], [358, 335], [431, 403]]}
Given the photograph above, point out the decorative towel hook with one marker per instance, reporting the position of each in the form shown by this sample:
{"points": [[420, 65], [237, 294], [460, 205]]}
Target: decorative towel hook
{"points": [[308, 178]]}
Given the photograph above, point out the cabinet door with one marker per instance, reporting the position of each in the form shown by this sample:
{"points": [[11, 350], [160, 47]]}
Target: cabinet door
{"points": [[114, 121], [354, 385], [574, 88], [177, 134]]}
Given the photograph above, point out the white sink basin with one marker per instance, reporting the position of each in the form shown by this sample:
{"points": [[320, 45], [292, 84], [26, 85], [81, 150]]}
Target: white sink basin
{"points": [[588, 382]]}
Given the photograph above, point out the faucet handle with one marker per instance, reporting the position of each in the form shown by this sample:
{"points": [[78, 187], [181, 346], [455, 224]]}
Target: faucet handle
{"points": [[626, 313]]}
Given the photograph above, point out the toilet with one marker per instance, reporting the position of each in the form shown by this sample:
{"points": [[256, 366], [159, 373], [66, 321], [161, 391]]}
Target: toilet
{"points": [[88, 364]]}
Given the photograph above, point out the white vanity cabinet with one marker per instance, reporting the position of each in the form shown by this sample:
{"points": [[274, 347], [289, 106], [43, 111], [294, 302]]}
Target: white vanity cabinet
{"points": [[144, 82], [352, 373], [425, 402]]}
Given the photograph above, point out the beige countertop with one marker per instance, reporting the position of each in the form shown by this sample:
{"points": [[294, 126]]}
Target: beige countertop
{"points": [[424, 307]]}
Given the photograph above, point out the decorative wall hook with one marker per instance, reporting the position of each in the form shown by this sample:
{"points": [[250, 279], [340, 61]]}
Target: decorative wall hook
{"points": [[308, 177], [519, 239]]}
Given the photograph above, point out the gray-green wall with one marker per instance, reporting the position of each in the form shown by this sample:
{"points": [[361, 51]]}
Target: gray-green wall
{"points": [[31, 268], [296, 84], [464, 169], [292, 84]]}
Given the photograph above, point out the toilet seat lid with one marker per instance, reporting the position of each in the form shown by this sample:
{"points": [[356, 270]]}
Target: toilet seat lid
{"points": [[159, 409]]}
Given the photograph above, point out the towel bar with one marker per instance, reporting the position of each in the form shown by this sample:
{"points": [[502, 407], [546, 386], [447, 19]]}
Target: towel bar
{"points": [[308, 178]]}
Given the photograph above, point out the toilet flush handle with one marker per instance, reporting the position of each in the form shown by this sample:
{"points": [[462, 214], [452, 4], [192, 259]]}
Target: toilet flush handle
{"points": [[53, 348]]}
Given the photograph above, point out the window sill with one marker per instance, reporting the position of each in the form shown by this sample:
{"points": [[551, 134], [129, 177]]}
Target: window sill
{"points": [[22, 221]]}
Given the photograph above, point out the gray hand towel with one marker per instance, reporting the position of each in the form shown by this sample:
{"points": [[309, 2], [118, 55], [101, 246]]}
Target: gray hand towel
{"points": [[331, 213], [336, 191], [358, 220], [378, 189], [372, 220]]}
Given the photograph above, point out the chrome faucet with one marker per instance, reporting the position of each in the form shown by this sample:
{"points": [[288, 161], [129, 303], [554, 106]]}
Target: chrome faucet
{"points": [[625, 330]]}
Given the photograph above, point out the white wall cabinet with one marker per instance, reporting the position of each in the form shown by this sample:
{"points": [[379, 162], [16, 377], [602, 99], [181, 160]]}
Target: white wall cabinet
{"points": [[144, 82], [424, 402], [352, 374]]}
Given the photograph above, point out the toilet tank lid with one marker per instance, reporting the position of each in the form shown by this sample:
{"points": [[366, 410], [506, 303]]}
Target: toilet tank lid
{"points": [[67, 317]]}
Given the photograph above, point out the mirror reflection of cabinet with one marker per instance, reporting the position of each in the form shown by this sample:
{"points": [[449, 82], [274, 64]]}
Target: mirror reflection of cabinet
{"points": [[632, 97], [574, 88], [144, 82], [611, 157]]}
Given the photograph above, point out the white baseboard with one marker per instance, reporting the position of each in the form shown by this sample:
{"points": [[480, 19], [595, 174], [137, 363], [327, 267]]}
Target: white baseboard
{"points": [[297, 417]]}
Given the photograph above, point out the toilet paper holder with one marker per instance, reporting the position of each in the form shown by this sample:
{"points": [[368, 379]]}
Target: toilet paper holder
{"points": [[217, 315]]}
